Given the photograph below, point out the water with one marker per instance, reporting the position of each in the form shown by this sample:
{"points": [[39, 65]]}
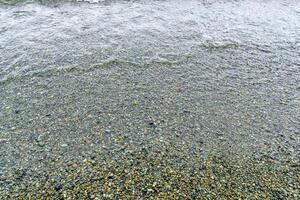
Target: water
{"points": [[198, 78]]}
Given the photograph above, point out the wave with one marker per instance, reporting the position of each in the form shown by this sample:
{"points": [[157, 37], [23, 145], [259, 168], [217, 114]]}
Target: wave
{"points": [[55, 2]]}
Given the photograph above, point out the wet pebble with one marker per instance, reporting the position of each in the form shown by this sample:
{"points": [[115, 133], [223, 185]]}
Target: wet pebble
{"points": [[64, 145], [110, 175], [152, 125], [58, 186]]}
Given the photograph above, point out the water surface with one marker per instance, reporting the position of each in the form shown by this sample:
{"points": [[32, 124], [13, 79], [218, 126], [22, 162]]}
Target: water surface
{"points": [[104, 83]]}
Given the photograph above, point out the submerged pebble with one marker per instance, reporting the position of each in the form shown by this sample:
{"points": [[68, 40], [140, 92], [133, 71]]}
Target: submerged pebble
{"points": [[150, 100]]}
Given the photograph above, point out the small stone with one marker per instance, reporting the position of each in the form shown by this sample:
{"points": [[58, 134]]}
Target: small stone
{"points": [[186, 111], [64, 145], [107, 132], [168, 187], [152, 125], [41, 144], [115, 110], [220, 134], [150, 190], [58, 186], [93, 157], [268, 130], [39, 141], [3, 140], [200, 141], [110, 175]]}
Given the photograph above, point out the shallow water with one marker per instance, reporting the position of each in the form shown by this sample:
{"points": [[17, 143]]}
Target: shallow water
{"points": [[199, 77]]}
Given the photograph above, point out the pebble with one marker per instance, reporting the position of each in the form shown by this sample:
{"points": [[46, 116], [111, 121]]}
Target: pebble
{"points": [[58, 186], [3, 140], [64, 145], [152, 125], [150, 190], [110, 175], [179, 91]]}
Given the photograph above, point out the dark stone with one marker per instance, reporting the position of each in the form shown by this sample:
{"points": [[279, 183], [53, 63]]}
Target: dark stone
{"points": [[279, 195], [58, 186], [186, 111], [200, 141], [93, 157], [17, 111], [152, 125], [110, 176]]}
